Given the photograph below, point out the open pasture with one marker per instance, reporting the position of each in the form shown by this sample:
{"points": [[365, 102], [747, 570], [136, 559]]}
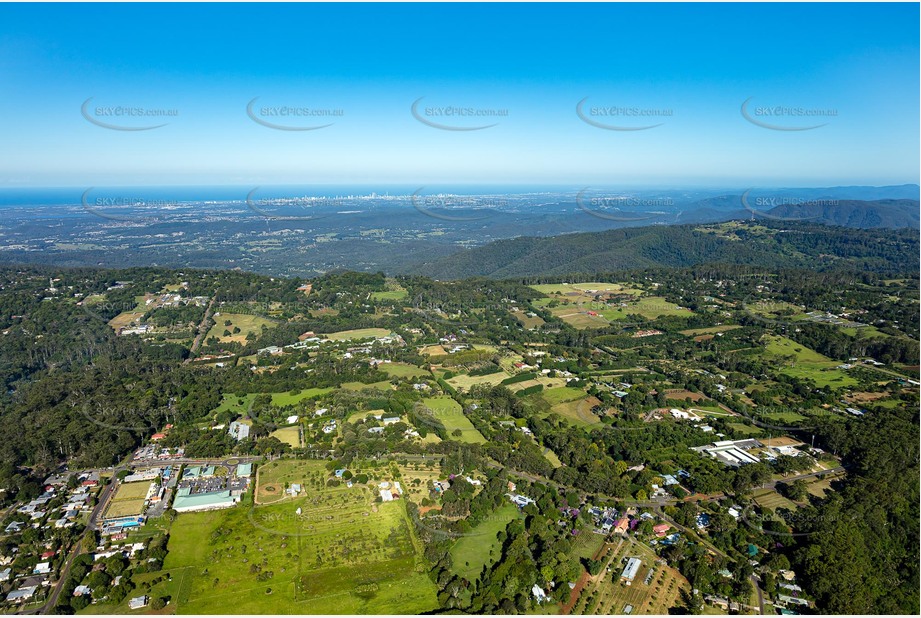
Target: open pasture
{"points": [[579, 411], [358, 333], [805, 363], [245, 322], [288, 435], [479, 547], [448, 413], [332, 550], [402, 370]]}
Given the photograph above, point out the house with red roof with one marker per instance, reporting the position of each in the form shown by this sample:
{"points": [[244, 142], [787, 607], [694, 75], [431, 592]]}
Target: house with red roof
{"points": [[661, 529]]}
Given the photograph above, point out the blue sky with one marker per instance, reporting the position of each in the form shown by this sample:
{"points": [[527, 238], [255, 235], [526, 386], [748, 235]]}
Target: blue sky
{"points": [[856, 64]]}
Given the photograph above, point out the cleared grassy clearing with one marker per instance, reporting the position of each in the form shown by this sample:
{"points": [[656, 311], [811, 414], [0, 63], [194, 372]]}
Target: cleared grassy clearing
{"points": [[649, 307], [358, 333], [708, 331], [433, 350], [402, 370], [472, 552], [805, 363], [528, 321], [288, 435], [769, 498], [389, 295], [464, 381], [448, 413], [552, 458], [579, 318], [579, 412], [246, 323], [746, 429], [562, 394], [360, 386], [583, 288], [288, 399]]}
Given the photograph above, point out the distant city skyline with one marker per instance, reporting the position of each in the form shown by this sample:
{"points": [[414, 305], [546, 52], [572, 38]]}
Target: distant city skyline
{"points": [[734, 95]]}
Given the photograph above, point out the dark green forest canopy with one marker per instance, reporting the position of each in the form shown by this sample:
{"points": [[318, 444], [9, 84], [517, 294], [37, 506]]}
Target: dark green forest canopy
{"points": [[766, 244]]}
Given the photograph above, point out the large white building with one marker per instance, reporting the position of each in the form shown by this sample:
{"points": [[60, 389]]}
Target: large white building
{"points": [[238, 430], [630, 571]]}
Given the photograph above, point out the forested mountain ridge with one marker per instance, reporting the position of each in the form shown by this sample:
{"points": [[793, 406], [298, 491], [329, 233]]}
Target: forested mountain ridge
{"points": [[768, 244]]}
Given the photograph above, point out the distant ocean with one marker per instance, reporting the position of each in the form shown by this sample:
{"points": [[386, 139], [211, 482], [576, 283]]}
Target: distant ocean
{"points": [[60, 196]]}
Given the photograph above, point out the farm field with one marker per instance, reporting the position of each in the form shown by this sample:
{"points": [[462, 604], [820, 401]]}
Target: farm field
{"points": [[769, 498], [746, 429], [609, 596], [402, 370], [389, 295], [245, 322], [712, 411], [470, 553], [343, 554], [650, 307], [358, 333], [581, 288], [782, 417], [528, 321], [464, 381], [579, 318], [272, 478], [423, 472], [125, 318], [288, 435], [709, 331], [449, 414], [360, 386], [584, 312], [579, 411], [587, 544], [433, 350], [807, 363], [241, 405], [287, 399], [562, 394]]}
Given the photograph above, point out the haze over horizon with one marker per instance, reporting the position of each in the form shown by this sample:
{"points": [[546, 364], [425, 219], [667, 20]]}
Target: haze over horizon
{"points": [[852, 69]]}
